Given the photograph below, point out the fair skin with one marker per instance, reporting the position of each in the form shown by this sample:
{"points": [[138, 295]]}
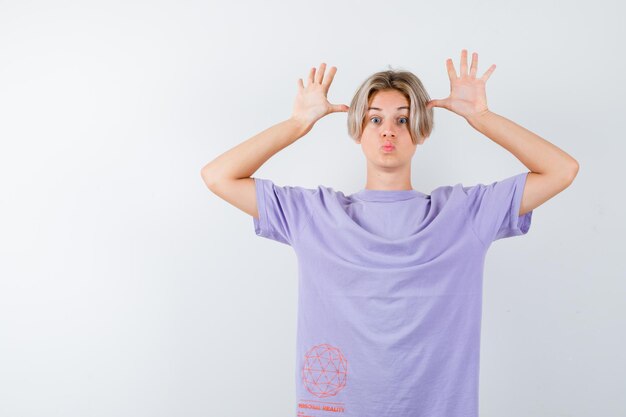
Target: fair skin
{"points": [[387, 170], [552, 169]]}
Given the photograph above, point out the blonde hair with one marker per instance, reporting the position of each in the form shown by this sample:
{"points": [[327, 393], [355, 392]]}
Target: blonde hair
{"points": [[421, 121]]}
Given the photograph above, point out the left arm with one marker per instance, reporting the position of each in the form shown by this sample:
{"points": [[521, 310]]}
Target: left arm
{"points": [[552, 170]]}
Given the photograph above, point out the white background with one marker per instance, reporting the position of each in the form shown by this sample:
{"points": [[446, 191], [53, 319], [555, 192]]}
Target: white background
{"points": [[128, 289]]}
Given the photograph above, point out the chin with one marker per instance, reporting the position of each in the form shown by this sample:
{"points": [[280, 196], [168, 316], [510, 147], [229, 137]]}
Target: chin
{"points": [[389, 163]]}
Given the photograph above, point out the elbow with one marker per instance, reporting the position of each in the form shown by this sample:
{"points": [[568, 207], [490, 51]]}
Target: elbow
{"points": [[572, 171], [207, 176], [565, 173], [575, 167]]}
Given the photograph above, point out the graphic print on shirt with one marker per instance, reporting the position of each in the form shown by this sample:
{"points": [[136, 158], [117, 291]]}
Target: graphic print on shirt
{"points": [[324, 374]]}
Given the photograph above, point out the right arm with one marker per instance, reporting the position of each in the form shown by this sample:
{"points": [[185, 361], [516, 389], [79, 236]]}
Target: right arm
{"points": [[229, 175]]}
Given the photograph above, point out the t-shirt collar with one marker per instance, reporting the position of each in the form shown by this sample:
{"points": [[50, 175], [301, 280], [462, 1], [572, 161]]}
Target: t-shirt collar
{"points": [[387, 195]]}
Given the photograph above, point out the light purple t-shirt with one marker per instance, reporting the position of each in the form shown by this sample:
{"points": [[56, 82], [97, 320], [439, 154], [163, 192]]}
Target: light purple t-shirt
{"points": [[390, 292]]}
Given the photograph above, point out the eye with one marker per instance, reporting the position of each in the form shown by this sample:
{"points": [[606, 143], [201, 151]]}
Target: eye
{"points": [[402, 118]]}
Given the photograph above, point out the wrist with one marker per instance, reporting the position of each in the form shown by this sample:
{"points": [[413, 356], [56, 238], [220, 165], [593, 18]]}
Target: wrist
{"points": [[301, 124], [476, 118]]}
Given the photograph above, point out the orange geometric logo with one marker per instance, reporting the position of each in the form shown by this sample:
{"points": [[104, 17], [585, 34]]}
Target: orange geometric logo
{"points": [[324, 371]]}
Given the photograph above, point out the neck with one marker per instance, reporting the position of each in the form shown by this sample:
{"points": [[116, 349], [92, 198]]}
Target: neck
{"points": [[396, 180]]}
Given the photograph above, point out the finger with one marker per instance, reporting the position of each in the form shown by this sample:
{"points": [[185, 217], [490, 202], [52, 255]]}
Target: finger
{"points": [[434, 103], [300, 85], [463, 62], [339, 107], [474, 66], [320, 74], [488, 73], [329, 78], [311, 76], [451, 70]]}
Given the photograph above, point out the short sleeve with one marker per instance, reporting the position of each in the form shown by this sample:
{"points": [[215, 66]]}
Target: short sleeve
{"points": [[283, 210], [494, 208]]}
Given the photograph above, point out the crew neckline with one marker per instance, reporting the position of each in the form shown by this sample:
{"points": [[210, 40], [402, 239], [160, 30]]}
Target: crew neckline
{"points": [[387, 195]]}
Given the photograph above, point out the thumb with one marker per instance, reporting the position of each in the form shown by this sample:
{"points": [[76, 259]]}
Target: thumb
{"points": [[435, 103], [339, 107]]}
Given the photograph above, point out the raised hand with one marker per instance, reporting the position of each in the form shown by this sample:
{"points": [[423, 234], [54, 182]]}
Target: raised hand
{"points": [[311, 103], [467, 93]]}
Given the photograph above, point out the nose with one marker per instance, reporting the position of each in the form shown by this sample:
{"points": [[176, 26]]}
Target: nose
{"points": [[388, 128], [388, 133]]}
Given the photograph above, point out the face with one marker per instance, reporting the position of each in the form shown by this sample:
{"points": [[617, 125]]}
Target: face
{"points": [[387, 123]]}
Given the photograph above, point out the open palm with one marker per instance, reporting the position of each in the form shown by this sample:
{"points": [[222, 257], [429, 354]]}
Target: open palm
{"points": [[467, 93]]}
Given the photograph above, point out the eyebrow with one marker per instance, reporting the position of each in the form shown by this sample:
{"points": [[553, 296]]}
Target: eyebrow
{"points": [[376, 108]]}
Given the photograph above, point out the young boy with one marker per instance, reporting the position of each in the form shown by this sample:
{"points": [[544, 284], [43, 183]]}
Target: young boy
{"points": [[390, 289]]}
